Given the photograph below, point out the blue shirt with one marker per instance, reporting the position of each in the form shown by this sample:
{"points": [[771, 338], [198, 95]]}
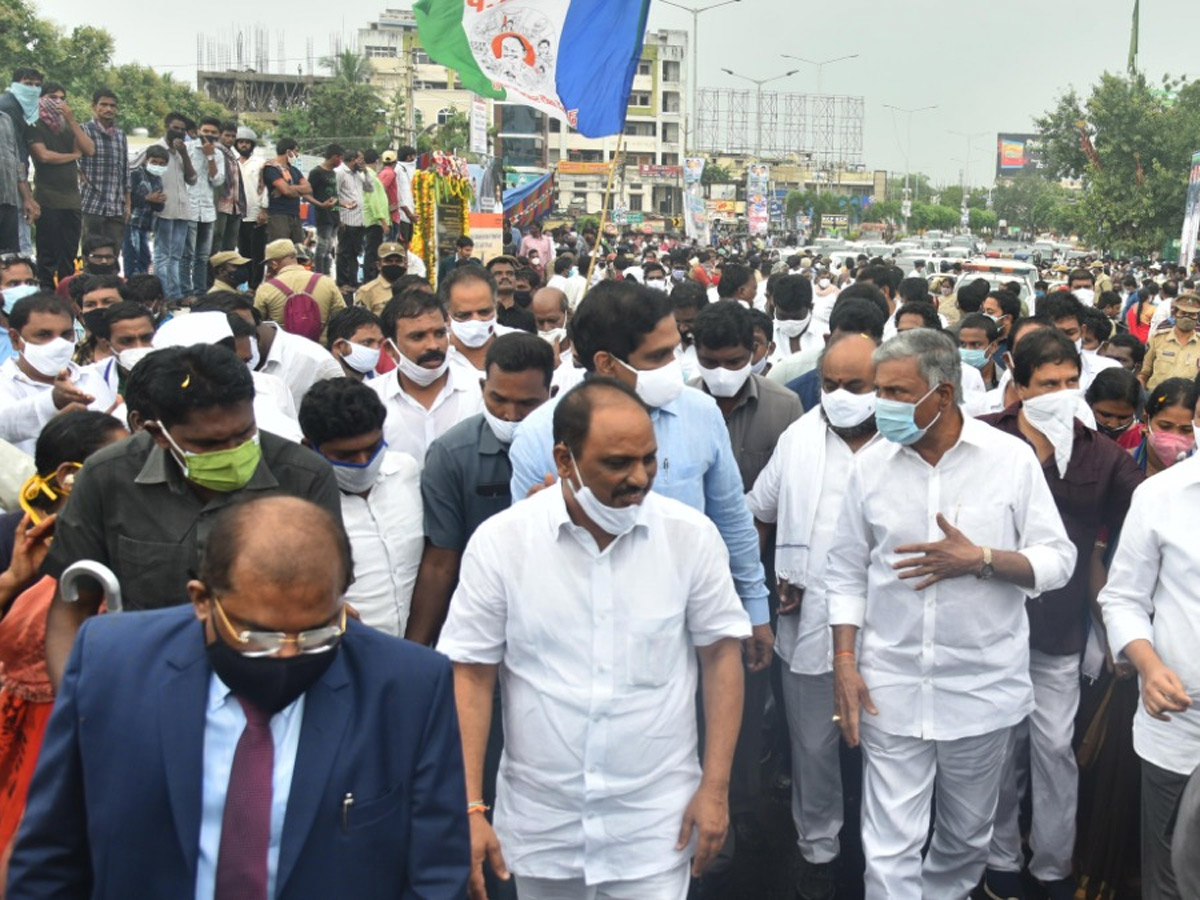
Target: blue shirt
{"points": [[223, 726], [695, 466]]}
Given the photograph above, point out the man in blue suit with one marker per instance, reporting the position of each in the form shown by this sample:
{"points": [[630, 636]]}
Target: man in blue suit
{"points": [[271, 749]]}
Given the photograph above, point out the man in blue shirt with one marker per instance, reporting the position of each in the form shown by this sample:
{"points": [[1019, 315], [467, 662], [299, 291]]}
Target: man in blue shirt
{"points": [[626, 331]]}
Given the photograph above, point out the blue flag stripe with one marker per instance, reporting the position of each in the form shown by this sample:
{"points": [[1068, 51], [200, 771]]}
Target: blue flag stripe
{"points": [[597, 59]]}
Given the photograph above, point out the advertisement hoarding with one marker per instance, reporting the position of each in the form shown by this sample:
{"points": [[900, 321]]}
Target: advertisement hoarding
{"points": [[1018, 154]]}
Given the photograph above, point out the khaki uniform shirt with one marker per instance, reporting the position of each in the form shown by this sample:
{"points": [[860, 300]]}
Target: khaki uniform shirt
{"points": [[269, 300], [1167, 358], [374, 295]]}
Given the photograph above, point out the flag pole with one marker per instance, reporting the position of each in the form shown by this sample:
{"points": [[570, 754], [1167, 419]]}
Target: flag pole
{"points": [[612, 170]]}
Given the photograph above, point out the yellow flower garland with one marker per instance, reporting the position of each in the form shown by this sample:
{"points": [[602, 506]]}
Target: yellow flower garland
{"points": [[428, 189]]}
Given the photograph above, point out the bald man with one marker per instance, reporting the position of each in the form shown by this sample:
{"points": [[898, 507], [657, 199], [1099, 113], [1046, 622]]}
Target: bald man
{"points": [[551, 312], [278, 749], [796, 501]]}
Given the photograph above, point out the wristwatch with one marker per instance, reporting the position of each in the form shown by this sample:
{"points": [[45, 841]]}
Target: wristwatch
{"points": [[988, 570]]}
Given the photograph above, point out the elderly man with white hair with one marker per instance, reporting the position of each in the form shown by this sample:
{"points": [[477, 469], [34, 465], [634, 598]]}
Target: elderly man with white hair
{"points": [[946, 527]]}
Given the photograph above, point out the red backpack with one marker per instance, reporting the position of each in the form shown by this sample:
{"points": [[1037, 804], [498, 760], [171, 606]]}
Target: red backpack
{"points": [[301, 314]]}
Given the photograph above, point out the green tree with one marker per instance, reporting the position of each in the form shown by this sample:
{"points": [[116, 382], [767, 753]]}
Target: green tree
{"points": [[453, 134], [348, 66], [715, 174], [927, 215], [145, 97], [1130, 144], [349, 114], [982, 219]]}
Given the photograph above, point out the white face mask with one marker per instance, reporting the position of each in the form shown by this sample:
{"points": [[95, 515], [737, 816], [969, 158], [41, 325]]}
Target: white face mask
{"points": [[127, 359], [553, 334], [1086, 296], [823, 283], [793, 328], [844, 409], [50, 358], [361, 359], [657, 283], [501, 428], [1054, 416], [156, 170], [614, 520], [10, 295], [761, 366], [473, 333], [722, 382], [421, 375], [658, 387], [358, 478], [255, 356]]}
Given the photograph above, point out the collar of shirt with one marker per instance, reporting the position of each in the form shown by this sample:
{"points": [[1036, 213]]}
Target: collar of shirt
{"points": [[489, 444], [744, 397], [560, 520], [1087, 453], [156, 470], [973, 432], [454, 382], [275, 354], [17, 374]]}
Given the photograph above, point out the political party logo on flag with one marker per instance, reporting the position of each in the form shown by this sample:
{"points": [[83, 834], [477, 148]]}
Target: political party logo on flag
{"points": [[572, 59]]}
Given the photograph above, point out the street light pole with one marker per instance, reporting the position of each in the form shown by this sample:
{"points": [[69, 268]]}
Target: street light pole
{"points": [[820, 65], [758, 84], [690, 119], [970, 139], [908, 154]]}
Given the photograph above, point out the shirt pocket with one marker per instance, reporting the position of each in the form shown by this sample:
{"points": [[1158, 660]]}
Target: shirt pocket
{"points": [[151, 572], [360, 814], [654, 649]]}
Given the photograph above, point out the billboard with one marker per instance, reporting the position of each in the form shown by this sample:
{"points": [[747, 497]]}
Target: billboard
{"points": [[1018, 154], [758, 178], [1191, 215]]}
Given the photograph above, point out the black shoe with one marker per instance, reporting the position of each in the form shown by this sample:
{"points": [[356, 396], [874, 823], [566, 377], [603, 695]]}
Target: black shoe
{"points": [[815, 881], [999, 885]]}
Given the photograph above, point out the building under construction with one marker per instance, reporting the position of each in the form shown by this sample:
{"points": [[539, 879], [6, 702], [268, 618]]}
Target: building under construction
{"points": [[239, 70]]}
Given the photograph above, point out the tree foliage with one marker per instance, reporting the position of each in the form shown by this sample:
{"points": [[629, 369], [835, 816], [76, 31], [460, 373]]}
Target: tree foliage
{"points": [[715, 174], [453, 134], [81, 61], [346, 110], [1131, 144]]}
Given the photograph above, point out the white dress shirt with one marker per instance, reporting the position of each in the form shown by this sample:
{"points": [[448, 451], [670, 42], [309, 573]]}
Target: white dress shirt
{"points": [[223, 726], [598, 678], [27, 405], [950, 661], [386, 530], [350, 196], [200, 194], [404, 194], [1152, 594], [410, 427], [301, 363], [801, 491], [274, 409], [1093, 365], [255, 190]]}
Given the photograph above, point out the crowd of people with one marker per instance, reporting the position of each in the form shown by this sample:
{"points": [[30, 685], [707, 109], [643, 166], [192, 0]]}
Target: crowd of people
{"points": [[505, 582]]}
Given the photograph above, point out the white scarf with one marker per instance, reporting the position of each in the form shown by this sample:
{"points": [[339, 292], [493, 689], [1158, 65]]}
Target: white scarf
{"points": [[800, 497]]}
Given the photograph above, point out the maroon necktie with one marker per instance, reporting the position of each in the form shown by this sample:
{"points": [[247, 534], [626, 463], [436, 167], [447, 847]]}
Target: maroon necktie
{"points": [[246, 823]]}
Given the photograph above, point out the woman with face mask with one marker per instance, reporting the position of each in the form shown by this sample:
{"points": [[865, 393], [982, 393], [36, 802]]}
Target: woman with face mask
{"points": [[1115, 398], [26, 697], [1167, 435]]}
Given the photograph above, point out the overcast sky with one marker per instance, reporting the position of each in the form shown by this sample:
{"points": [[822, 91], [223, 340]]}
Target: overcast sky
{"points": [[987, 66]]}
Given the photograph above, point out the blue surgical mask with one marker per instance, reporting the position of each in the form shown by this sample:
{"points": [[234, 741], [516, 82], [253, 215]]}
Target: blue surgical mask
{"points": [[896, 420], [27, 95], [976, 358]]}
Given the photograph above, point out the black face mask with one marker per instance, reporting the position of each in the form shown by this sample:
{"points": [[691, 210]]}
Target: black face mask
{"points": [[1114, 433], [392, 273], [522, 298], [99, 269], [173, 136], [270, 683], [93, 320]]}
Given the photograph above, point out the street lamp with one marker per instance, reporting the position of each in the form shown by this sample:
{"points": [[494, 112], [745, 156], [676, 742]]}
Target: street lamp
{"points": [[970, 139], [695, 52], [758, 84], [908, 155], [820, 65]]}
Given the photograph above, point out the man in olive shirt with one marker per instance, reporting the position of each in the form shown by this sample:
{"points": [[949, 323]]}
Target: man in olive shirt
{"points": [[393, 265], [143, 507], [1174, 353], [283, 266]]}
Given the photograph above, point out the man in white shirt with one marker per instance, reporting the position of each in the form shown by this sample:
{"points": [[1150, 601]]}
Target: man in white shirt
{"points": [[1152, 615], [945, 529], [796, 501], [567, 279], [41, 381], [252, 236], [351, 181], [210, 173], [551, 312], [425, 396], [342, 420], [406, 167], [297, 361], [1066, 312], [469, 296], [596, 639]]}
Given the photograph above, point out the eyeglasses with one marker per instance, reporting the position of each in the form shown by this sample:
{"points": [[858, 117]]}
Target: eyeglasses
{"points": [[269, 643], [13, 259]]}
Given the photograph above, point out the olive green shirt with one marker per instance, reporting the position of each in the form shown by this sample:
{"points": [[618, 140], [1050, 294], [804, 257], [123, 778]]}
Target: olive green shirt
{"points": [[132, 510], [1167, 358]]}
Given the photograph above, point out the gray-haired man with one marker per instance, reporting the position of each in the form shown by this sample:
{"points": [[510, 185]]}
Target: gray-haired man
{"points": [[946, 528]]}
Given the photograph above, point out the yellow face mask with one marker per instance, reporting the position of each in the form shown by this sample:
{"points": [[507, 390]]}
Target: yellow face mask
{"points": [[45, 488]]}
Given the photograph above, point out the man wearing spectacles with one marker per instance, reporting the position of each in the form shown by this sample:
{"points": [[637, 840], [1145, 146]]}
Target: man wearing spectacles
{"points": [[278, 750], [99, 258]]}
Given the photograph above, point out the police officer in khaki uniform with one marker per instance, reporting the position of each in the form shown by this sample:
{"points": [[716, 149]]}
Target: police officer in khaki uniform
{"points": [[393, 265], [284, 266], [1174, 352]]}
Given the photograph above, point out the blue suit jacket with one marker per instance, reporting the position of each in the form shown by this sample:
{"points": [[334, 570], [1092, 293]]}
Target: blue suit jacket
{"points": [[808, 388], [114, 807]]}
